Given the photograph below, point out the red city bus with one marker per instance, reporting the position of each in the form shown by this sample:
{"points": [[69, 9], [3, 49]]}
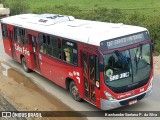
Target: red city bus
{"points": [[107, 64]]}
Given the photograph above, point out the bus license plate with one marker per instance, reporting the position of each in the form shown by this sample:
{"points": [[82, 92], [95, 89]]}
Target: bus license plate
{"points": [[132, 102]]}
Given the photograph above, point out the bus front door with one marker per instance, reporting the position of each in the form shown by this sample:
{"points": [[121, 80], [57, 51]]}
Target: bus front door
{"points": [[89, 70], [35, 52]]}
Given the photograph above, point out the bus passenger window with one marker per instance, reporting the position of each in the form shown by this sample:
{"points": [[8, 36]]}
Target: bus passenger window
{"points": [[49, 46], [75, 56], [17, 35], [4, 31], [19, 39], [41, 48], [67, 55], [40, 39], [10, 34], [70, 53], [26, 38], [59, 48], [44, 48], [22, 36], [55, 47], [43, 43]]}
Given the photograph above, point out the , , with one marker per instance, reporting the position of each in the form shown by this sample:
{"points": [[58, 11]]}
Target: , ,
{"points": [[99, 62]]}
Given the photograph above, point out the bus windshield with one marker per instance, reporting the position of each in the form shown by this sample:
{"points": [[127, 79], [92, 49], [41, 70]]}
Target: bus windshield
{"points": [[129, 67]]}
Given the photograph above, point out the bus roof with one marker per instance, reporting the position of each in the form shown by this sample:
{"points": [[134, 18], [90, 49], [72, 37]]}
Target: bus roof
{"points": [[91, 32]]}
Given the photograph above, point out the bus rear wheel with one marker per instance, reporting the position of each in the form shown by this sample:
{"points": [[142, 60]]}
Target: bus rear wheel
{"points": [[74, 91], [24, 65]]}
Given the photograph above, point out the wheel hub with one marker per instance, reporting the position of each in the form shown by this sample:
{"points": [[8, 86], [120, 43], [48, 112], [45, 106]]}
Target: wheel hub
{"points": [[74, 91]]}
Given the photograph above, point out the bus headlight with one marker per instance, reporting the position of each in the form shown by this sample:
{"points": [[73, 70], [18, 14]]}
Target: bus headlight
{"points": [[109, 96]]}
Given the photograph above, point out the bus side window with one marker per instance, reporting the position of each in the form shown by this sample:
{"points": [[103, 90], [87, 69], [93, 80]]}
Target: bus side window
{"points": [[22, 36], [4, 31], [25, 38], [59, 48], [70, 53], [55, 47], [10, 34], [67, 55], [75, 56], [43, 43], [40, 39], [17, 34], [49, 46]]}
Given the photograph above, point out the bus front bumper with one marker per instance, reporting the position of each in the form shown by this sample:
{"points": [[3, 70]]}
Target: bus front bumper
{"points": [[111, 104]]}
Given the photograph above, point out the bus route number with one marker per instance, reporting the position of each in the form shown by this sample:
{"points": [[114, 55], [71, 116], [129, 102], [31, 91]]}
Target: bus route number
{"points": [[120, 76]]}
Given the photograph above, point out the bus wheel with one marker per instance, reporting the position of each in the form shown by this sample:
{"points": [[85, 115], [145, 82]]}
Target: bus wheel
{"points": [[24, 65], [74, 91]]}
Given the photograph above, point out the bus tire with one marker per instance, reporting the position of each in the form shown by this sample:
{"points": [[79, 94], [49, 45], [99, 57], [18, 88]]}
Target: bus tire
{"points": [[74, 91], [24, 65]]}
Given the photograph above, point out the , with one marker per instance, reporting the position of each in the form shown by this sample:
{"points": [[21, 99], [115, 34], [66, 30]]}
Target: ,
{"points": [[107, 64]]}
